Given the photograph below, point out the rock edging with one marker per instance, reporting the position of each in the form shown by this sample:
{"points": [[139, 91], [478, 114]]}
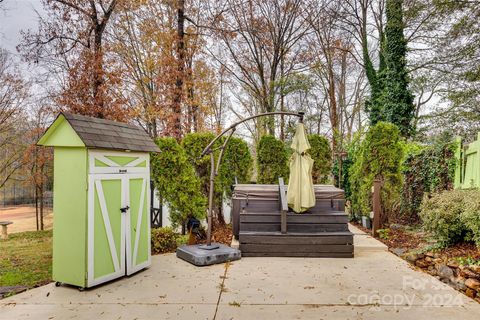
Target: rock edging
{"points": [[462, 278]]}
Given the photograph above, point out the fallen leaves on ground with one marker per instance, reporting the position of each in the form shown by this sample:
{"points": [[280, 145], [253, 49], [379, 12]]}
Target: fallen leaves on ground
{"points": [[461, 250], [221, 234]]}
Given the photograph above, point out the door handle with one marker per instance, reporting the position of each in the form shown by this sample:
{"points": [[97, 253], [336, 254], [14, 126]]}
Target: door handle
{"points": [[124, 210]]}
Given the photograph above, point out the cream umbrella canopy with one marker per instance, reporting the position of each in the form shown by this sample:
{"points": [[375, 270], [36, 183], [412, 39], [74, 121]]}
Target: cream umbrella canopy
{"points": [[300, 194]]}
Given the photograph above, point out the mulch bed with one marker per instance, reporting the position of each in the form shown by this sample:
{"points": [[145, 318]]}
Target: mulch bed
{"points": [[398, 238]]}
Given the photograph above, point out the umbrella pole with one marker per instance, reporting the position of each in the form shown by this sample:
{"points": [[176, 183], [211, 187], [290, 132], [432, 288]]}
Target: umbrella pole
{"points": [[210, 199]]}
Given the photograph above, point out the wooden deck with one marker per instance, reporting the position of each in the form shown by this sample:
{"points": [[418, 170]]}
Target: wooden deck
{"points": [[320, 232]]}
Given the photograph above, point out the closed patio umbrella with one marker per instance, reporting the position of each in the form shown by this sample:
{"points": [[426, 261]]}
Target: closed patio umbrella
{"points": [[300, 194]]}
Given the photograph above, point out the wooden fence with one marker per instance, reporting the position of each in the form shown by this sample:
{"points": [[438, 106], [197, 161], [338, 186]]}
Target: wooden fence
{"points": [[467, 171]]}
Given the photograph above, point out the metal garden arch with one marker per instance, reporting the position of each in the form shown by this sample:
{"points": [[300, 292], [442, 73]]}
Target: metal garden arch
{"points": [[214, 169]]}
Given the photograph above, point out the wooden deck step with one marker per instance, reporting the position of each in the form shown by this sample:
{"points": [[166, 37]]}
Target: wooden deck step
{"points": [[296, 238], [293, 218], [295, 227], [300, 254], [271, 204], [276, 244], [302, 223], [277, 248]]}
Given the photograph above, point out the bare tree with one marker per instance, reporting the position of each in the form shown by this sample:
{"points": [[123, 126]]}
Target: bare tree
{"points": [[336, 68], [262, 39], [13, 93], [37, 161], [71, 39]]}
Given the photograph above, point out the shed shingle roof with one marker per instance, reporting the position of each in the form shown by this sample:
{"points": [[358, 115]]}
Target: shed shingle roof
{"points": [[108, 134]]}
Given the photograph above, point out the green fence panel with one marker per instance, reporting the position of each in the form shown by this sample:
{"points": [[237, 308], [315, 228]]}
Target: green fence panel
{"points": [[467, 171]]}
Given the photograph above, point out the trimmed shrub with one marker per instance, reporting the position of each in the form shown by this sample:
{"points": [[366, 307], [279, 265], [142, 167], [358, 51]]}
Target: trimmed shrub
{"points": [[379, 156], [237, 163], [175, 179], [193, 144], [321, 154], [441, 215], [166, 240], [352, 148], [346, 165], [272, 160]]}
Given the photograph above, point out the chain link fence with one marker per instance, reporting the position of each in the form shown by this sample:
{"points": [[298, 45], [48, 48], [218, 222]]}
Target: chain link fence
{"points": [[15, 195]]}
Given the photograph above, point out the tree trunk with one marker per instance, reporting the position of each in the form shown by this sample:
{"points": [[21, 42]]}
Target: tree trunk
{"points": [[36, 208], [270, 107], [41, 209], [98, 72], [333, 108], [176, 126], [220, 217], [41, 189], [282, 99], [184, 228]]}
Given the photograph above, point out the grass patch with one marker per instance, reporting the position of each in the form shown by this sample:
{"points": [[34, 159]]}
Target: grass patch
{"points": [[26, 259]]}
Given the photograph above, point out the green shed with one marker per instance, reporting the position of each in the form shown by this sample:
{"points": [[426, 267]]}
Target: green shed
{"points": [[101, 201]]}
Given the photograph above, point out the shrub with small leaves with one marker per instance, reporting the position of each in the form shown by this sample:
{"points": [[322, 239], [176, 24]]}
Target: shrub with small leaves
{"points": [[352, 149], [471, 215], [164, 240], [384, 233], [441, 215], [272, 160]]}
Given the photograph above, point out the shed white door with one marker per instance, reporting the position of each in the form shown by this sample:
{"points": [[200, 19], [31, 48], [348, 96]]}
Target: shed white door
{"points": [[138, 222], [106, 228], [118, 226]]}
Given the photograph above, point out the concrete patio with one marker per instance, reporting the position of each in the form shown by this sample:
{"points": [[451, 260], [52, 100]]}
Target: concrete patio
{"points": [[374, 285]]}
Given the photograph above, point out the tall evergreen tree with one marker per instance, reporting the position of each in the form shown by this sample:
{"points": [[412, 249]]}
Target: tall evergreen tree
{"points": [[376, 79], [398, 105]]}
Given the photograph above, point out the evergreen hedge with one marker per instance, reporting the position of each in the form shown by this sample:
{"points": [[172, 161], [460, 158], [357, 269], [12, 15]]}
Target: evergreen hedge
{"points": [[193, 144], [379, 156], [321, 154], [176, 181], [272, 160], [236, 162]]}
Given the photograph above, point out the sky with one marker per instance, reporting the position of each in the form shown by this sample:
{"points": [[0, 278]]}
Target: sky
{"points": [[16, 15]]}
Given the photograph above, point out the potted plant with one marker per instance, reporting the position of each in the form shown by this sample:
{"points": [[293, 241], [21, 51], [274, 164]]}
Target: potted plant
{"points": [[366, 222]]}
